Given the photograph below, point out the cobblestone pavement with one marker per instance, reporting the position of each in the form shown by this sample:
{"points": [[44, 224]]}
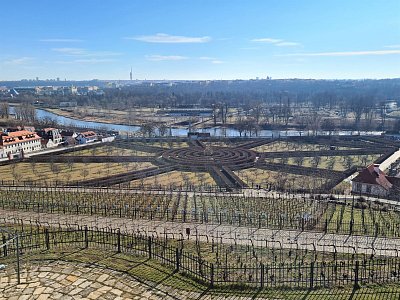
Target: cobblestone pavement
{"points": [[67, 281], [288, 239]]}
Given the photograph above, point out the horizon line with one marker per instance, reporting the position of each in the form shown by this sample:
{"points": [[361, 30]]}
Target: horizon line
{"points": [[221, 79]]}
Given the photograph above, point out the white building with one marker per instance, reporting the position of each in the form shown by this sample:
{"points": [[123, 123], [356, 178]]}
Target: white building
{"points": [[86, 137], [18, 143], [373, 181], [51, 137]]}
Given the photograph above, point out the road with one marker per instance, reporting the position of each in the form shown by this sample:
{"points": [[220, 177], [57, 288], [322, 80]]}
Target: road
{"points": [[226, 234]]}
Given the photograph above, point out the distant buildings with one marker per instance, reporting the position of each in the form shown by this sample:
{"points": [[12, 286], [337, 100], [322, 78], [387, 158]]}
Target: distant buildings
{"points": [[68, 104], [389, 105], [52, 91]]}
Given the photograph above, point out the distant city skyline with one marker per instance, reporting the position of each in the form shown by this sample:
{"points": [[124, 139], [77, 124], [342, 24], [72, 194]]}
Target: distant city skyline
{"points": [[199, 40]]}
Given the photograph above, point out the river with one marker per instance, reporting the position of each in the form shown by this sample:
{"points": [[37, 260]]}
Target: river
{"points": [[214, 131]]}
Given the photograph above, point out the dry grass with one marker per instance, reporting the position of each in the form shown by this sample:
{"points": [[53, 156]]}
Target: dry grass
{"points": [[108, 151], [129, 117], [175, 178], [66, 172], [337, 163], [290, 146], [169, 144], [264, 178]]}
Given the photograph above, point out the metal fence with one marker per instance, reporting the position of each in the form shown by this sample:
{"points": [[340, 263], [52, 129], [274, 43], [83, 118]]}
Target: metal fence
{"points": [[273, 275], [371, 223]]}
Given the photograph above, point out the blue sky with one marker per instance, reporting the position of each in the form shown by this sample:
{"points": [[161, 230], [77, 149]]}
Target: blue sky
{"points": [[199, 39]]}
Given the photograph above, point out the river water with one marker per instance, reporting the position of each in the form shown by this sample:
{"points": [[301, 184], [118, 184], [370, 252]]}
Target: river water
{"points": [[214, 131]]}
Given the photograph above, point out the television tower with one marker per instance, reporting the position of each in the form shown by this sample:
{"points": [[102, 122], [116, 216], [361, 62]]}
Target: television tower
{"points": [[130, 74]]}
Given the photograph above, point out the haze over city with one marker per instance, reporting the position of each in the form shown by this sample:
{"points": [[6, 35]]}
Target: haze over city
{"points": [[199, 39]]}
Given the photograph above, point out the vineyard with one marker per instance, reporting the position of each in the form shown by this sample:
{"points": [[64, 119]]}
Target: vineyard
{"points": [[352, 215]]}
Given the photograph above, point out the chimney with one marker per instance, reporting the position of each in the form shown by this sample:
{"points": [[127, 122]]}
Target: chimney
{"points": [[376, 169]]}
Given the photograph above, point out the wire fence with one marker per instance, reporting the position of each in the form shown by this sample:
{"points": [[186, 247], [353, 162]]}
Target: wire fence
{"points": [[354, 216], [276, 275]]}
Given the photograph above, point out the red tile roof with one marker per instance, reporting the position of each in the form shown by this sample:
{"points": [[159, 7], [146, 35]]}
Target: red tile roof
{"points": [[370, 176], [48, 129], [394, 180], [88, 133], [17, 137]]}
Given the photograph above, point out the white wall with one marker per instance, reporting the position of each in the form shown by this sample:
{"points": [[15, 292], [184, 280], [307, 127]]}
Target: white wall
{"points": [[108, 139], [391, 159], [375, 189]]}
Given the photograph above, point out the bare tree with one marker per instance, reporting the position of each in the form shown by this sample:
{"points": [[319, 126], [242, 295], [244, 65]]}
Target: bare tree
{"points": [[162, 129], [25, 112], [4, 110], [299, 160], [147, 129], [315, 161]]}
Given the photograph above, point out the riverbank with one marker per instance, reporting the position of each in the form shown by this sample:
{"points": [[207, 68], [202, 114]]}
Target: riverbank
{"points": [[112, 120], [215, 131], [136, 117]]}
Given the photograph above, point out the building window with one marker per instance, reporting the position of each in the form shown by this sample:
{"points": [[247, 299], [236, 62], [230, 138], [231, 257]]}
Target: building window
{"points": [[368, 189]]}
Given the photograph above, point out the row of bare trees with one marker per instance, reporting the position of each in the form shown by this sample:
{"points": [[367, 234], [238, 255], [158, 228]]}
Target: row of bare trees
{"points": [[25, 112]]}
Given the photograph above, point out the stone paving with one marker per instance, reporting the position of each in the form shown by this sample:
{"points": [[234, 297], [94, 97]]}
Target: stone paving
{"points": [[228, 234], [67, 281]]}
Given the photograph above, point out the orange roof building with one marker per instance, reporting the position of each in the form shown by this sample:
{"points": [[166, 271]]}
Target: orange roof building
{"points": [[373, 181], [19, 142]]}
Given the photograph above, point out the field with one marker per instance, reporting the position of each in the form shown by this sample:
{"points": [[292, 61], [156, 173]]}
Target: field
{"points": [[337, 163], [267, 179], [65, 172], [296, 146], [107, 151], [134, 116], [295, 164], [173, 180]]}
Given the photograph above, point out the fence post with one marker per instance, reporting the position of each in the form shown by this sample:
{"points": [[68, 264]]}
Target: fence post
{"points": [[149, 246], [47, 238], [18, 261], [262, 275], [356, 273], [212, 276], [86, 238], [177, 259], [4, 246], [311, 275], [119, 241]]}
